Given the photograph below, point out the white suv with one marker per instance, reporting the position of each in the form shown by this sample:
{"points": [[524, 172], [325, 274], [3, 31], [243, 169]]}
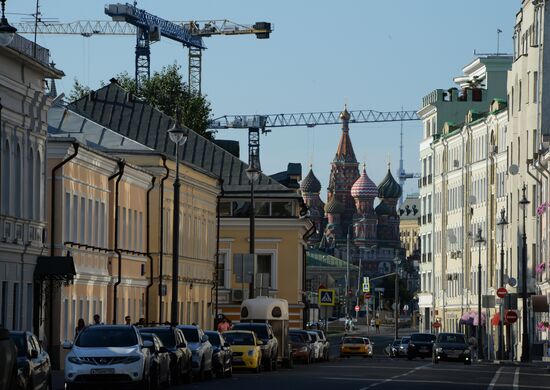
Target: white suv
{"points": [[108, 354]]}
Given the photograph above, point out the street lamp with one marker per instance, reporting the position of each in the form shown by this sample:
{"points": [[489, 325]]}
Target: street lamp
{"points": [[525, 335], [253, 174], [179, 137], [397, 261], [480, 241], [7, 32], [502, 223]]}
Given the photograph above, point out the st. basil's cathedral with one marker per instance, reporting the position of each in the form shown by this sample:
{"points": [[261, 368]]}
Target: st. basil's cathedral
{"points": [[350, 210]]}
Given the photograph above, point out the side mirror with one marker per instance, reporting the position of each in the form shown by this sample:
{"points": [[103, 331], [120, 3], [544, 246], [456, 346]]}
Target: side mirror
{"points": [[67, 344], [34, 353], [204, 338], [148, 344]]}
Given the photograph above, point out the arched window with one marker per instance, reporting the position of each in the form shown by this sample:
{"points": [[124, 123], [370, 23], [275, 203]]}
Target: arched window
{"points": [[30, 191], [17, 181], [6, 179], [38, 186]]}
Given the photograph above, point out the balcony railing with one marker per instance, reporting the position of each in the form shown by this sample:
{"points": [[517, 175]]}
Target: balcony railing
{"points": [[30, 49]]}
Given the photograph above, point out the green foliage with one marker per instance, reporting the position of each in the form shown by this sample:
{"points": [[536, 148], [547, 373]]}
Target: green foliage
{"points": [[78, 91]]}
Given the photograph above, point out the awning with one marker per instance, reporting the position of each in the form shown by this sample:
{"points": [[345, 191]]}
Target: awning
{"points": [[59, 268]]}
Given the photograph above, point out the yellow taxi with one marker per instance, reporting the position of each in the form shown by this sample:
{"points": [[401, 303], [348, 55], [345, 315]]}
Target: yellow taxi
{"points": [[245, 349], [356, 346]]}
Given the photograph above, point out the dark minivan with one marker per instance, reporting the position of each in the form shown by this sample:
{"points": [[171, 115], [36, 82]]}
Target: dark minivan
{"points": [[420, 345]]}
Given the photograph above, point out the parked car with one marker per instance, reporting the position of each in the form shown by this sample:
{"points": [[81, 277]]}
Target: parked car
{"points": [[402, 351], [356, 346], [160, 361], [420, 345], [451, 346], [314, 345], [201, 350], [34, 370], [180, 355], [270, 343], [245, 348], [107, 354], [221, 359], [301, 348], [317, 344], [325, 343]]}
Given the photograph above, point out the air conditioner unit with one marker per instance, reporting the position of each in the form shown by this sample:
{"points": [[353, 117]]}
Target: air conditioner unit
{"points": [[456, 163], [239, 295]]}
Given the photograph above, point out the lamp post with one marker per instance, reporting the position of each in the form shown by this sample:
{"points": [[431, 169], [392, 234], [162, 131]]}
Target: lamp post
{"points": [[396, 311], [347, 295], [252, 173], [7, 32], [525, 334], [479, 241], [502, 223], [179, 137]]}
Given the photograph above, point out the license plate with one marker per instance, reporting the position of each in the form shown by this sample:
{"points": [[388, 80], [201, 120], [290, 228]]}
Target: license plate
{"points": [[102, 371]]}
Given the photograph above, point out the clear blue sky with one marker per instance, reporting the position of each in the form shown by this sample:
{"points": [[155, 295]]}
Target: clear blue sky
{"points": [[380, 55]]}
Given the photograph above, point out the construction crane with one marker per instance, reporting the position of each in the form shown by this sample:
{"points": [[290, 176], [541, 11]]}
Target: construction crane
{"points": [[257, 124], [147, 28]]}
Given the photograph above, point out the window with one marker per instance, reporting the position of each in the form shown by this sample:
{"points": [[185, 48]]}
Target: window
{"points": [[130, 230], [535, 86], [141, 231], [225, 209], [16, 306], [264, 266], [67, 217], [89, 222], [281, 209], [122, 223], [29, 307], [6, 178], [223, 271], [17, 181], [82, 220], [95, 224], [74, 227], [38, 185], [102, 225], [30, 181]]}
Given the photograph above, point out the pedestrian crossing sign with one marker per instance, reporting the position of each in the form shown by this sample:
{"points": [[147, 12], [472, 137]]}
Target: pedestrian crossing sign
{"points": [[326, 297]]}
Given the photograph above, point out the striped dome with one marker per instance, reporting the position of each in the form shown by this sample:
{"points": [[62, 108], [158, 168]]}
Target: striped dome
{"points": [[310, 184], [364, 187], [334, 206]]}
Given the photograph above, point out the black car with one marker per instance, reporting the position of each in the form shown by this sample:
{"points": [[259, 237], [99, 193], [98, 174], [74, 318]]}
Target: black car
{"points": [[34, 370], [420, 345], [270, 344], [451, 346], [222, 358], [180, 356], [160, 361]]}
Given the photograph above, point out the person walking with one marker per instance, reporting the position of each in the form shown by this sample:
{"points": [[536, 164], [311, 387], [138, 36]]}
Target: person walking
{"points": [[127, 320], [79, 327], [377, 324]]}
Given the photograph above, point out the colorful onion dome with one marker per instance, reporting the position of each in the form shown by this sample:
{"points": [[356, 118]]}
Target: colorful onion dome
{"points": [[389, 188], [364, 187], [334, 206], [310, 183]]}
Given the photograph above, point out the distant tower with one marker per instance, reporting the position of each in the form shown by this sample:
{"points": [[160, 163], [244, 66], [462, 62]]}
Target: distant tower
{"points": [[344, 172], [389, 192], [310, 188], [365, 221]]}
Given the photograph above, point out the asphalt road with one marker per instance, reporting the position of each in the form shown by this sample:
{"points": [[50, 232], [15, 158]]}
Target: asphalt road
{"points": [[385, 373]]}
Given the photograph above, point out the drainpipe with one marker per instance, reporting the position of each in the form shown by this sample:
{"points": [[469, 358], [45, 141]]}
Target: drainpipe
{"points": [[52, 248], [161, 234], [148, 250], [434, 289], [118, 175], [216, 285]]}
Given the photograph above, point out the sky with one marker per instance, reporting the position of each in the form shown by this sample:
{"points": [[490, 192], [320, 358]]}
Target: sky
{"points": [[380, 55]]}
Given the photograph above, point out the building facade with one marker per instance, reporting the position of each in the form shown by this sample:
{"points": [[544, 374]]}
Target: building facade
{"points": [[24, 68]]}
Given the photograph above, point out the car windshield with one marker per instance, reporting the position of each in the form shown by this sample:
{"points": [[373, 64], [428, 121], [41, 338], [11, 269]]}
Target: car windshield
{"points": [[296, 338], [213, 338], [261, 331], [306, 336], [353, 340], [238, 338], [423, 337], [102, 336], [191, 334], [165, 335], [451, 338], [21, 343]]}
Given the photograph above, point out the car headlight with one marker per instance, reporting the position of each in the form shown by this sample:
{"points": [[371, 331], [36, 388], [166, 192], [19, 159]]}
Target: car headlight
{"points": [[401, 347], [251, 352], [439, 349], [131, 359], [76, 360]]}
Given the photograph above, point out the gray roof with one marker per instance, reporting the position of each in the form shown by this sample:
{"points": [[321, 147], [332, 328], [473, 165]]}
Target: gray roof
{"points": [[411, 203], [114, 108]]}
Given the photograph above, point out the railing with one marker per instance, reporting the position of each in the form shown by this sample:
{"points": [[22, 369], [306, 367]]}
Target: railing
{"points": [[30, 49]]}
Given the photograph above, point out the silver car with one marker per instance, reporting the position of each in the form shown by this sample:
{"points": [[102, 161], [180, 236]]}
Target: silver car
{"points": [[403, 347], [201, 349], [317, 345]]}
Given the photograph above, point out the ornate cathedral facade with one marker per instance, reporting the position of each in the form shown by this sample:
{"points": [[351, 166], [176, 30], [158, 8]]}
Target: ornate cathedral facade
{"points": [[350, 215]]}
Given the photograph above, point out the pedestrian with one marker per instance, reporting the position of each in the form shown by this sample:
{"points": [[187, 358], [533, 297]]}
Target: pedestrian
{"points": [[472, 344], [128, 320], [372, 323], [97, 320], [377, 324], [141, 322], [79, 327], [223, 326]]}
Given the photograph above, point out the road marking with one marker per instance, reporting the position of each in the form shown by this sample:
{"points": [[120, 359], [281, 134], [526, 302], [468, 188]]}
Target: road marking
{"points": [[393, 378], [516, 378], [495, 379]]}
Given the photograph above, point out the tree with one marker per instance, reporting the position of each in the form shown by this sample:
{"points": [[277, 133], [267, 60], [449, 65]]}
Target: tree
{"points": [[78, 91], [167, 92]]}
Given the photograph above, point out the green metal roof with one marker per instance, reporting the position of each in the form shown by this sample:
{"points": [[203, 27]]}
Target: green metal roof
{"points": [[321, 259]]}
